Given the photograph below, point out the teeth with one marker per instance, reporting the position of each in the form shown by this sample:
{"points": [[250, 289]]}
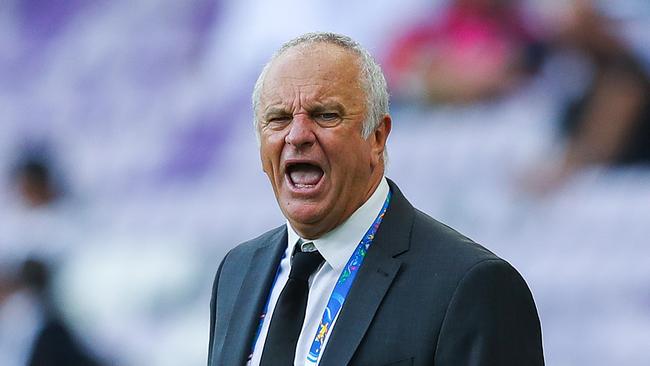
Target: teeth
{"points": [[299, 185]]}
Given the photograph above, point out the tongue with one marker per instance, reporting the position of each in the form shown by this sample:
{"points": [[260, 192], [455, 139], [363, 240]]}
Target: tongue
{"points": [[306, 175]]}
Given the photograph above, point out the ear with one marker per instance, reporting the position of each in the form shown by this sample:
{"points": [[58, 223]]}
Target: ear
{"points": [[380, 136]]}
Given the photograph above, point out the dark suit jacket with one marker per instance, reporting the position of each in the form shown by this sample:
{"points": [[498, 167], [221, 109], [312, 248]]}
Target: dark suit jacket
{"points": [[56, 346], [425, 295]]}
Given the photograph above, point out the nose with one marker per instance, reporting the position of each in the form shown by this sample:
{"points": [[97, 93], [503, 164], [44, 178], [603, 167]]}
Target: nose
{"points": [[301, 133]]}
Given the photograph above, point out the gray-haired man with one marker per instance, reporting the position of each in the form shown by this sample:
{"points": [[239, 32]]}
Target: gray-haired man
{"points": [[357, 275]]}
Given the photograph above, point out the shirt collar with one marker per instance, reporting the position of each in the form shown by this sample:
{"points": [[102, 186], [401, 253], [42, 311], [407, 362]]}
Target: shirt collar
{"points": [[337, 245]]}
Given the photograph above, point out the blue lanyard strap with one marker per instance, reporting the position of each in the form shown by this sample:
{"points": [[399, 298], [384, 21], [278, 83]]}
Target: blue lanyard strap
{"points": [[340, 292]]}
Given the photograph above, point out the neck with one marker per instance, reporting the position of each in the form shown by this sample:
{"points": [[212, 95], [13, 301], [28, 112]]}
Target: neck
{"points": [[312, 232]]}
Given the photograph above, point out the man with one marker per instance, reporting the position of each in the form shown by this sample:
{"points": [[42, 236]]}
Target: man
{"points": [[357, 276]]}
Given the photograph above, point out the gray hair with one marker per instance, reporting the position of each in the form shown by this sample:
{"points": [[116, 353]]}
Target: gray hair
{"points": [[372, 78]]}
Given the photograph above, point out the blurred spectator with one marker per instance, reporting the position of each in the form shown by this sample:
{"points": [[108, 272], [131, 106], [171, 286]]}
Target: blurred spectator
{"points": [[43, 221], [40, 222], [609, 123], [31, 331], [34, 182], [476, 49]]}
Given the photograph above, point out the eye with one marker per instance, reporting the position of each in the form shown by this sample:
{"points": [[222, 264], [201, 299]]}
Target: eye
{"points": [[277, 121], [327, 118]]}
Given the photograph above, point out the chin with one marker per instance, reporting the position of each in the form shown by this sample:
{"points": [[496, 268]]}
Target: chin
{"points": [[303, 214]]}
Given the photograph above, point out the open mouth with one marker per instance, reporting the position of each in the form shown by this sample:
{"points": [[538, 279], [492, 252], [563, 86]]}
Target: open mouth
{"points": [[304, 175]]}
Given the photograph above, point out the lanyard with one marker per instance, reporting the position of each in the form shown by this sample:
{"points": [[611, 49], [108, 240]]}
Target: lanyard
{"points": [[339, 293]]}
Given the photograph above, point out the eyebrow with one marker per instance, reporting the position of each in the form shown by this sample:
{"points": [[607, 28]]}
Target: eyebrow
{"points": [[275, 111], [328, 107], [317, 108]]}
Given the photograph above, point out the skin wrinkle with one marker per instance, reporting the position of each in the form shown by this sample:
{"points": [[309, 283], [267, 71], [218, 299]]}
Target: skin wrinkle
{"points": [[371, 79], [310, 107], [295, 93]]}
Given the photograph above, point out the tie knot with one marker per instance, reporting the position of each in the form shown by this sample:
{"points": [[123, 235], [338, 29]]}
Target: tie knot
{"points": [[303, 264]]}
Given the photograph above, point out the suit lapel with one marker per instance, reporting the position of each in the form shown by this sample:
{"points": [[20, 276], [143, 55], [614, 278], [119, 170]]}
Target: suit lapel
{"points": [[251, 299], [375, 277]]}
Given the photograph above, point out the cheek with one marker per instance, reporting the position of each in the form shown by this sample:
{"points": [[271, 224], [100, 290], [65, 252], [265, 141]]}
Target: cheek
{"points": [[266, 166], [349, 149], [270, 152], [356, 160]]}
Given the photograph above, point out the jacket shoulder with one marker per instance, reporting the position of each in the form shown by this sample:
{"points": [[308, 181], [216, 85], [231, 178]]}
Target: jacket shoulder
{"points": [[247, 248], [240, 256], [439, 242]]}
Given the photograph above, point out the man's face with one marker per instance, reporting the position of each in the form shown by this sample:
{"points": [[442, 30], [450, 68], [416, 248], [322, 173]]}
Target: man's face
{"points": [[310, 115]]}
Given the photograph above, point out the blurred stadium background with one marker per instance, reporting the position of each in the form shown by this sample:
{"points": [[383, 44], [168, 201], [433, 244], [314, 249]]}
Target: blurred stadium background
{"points": [[140, 112]]}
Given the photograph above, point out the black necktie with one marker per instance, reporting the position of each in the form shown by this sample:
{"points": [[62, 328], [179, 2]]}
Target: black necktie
{"points": [[289, 312]]}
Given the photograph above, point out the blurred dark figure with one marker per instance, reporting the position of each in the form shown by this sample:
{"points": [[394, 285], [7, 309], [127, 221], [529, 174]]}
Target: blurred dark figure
{"points": [[476, 49], [45, 222], [35, 184], [49, 342], [609, 124]]}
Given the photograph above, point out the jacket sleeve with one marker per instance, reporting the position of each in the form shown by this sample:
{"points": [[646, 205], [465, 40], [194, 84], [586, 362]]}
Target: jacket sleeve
{"points": [[491, 320]]}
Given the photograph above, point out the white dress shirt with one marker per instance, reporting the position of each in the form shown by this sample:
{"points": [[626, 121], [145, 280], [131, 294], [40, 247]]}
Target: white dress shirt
{"points": [[336, 246]]}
